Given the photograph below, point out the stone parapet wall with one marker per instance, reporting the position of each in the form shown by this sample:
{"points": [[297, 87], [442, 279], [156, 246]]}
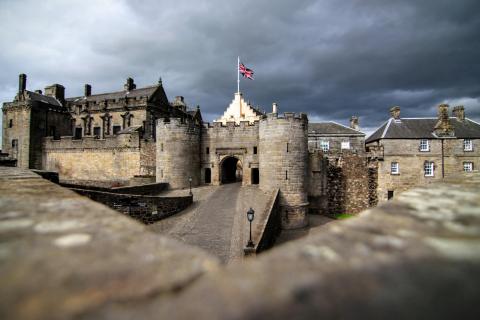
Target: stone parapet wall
{"points": [[147, 209], [64, 257]]}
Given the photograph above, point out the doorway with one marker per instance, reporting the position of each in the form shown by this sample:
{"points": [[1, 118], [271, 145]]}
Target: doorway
{"points": [[208, 175], [231, 170], [255, 176]]}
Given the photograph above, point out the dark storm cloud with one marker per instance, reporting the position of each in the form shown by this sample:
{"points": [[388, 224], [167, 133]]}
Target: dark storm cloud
{"points": [[331, 59]]}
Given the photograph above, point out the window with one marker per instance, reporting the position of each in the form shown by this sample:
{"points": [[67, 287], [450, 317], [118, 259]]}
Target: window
{"points": [[14, 143], [468, 166], [394, 168], [325, 146], [255, 176], [345, 144], [286, 174], [161, 146], [255, 150], [207, 150], [424, 146], [287, 146], [116, 129], [467, 145], [10, 123], [389, 194], [96, 132], [78, 134], [428, 168]]}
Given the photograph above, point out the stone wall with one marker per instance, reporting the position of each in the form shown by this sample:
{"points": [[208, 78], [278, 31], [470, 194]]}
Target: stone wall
{"points": [[357, 143], [178, 152], [411, 163], [283, 161], [115, 158], [267, 228], [229, 140], [20, 131], [65, 257], [145, 189], [147, 209]]}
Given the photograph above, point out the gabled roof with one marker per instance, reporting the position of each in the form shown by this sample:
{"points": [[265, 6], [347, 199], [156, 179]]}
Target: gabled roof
{"points": [[422, 128], [44, 99], [141, 92], [332, 128]]}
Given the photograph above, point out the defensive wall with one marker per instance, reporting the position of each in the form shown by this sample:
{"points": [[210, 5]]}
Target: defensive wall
{"points": [[113, 159], [415, 257]]}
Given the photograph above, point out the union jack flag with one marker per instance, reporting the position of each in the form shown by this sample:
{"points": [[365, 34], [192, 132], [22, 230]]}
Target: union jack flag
{"points": [[247, 73]]}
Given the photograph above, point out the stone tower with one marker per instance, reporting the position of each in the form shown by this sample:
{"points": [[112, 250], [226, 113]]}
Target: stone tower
{"points": [[283, 162], [178, 152]]}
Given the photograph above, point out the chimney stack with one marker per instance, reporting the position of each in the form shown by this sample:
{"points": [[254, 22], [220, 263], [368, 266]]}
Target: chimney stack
{"points": [[274, 108], [57, 91], [443, 128], [179, 99], [354, 123], [129, 85], [22, 82], [459, 112], [88, 90], [395, 112]]}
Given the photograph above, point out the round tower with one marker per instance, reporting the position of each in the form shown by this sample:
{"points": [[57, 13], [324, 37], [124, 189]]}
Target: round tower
{"points": [[178, 152], [283, 162]]}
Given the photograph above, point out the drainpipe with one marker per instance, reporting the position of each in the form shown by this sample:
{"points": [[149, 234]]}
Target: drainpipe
{"points": [[443, 161]]}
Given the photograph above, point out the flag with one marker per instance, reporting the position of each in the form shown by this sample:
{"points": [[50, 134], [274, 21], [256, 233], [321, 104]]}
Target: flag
{"points": [[247, 73]]}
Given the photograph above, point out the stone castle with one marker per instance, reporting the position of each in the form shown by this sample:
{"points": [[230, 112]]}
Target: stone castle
{"points": [[137, 135]]}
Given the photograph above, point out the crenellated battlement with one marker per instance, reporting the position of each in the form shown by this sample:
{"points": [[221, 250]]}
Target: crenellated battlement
{"points": [[291, 116]]}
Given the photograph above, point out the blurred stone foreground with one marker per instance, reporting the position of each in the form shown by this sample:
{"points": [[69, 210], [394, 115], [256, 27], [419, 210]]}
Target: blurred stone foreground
{"points": [[63, 256]]}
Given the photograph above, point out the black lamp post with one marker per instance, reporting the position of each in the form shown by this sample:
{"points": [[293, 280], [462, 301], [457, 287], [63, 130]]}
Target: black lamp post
{"points": [[190, 181], [250, 217]]}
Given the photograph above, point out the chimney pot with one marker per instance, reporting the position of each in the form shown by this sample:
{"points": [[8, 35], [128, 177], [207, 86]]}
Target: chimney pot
{"points": [[88, 90], [395, 112]]}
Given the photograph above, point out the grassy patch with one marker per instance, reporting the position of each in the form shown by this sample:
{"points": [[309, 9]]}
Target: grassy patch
{"points": [[342, 216]]}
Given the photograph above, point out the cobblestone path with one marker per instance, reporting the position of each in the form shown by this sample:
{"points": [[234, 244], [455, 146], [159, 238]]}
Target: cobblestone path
{"points": [[216, 221]]}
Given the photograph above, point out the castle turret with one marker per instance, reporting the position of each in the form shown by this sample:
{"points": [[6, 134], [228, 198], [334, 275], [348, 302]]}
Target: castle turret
{"points": [[283, 164], [178, 152]]}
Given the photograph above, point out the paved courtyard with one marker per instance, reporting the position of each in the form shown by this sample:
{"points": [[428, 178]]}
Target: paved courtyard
{"points": [[216, 221]]}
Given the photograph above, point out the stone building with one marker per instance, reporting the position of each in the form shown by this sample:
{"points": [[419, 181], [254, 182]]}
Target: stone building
{"points": [[418, 151], [136, 134]]}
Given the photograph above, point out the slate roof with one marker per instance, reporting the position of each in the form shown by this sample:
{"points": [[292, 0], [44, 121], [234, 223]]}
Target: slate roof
{"points": [[44, 99], [141, 92], [422, 128], [332, 128]]}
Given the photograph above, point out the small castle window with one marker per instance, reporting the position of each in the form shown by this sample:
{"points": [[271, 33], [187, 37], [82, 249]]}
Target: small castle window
{"points": [[467, 144], [286, 174], [255, 150], [345, 144], [389, 194], [161, 146], [468, 166], [96, 132], [10, 123], [424, 145], [325, 145], [428, 168], [207, 150], [116, 129], [14, 143], [287, 146], [394, 168]]}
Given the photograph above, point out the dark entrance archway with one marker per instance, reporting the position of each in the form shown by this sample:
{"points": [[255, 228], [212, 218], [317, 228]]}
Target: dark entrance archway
{"points": [[231, 170]]}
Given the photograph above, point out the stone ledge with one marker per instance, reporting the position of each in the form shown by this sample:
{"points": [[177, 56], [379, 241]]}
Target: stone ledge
{"points": [[63, 256]]}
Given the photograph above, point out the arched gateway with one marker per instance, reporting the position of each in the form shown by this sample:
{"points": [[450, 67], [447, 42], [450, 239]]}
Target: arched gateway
{"points": [[232, 170]]}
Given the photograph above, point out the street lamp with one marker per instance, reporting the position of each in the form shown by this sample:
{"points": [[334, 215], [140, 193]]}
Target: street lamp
{"points": [[250, 216], [190, 181]]}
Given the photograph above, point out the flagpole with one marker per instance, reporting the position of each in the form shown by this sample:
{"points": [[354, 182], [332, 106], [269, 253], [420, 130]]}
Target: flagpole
{"points": [[238, 74]]}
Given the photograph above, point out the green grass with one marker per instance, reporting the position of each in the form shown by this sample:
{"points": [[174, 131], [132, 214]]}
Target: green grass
{"points": [[342, 216]]}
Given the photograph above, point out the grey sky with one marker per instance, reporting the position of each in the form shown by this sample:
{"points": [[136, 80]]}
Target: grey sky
{"points": [[331, 59]]}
